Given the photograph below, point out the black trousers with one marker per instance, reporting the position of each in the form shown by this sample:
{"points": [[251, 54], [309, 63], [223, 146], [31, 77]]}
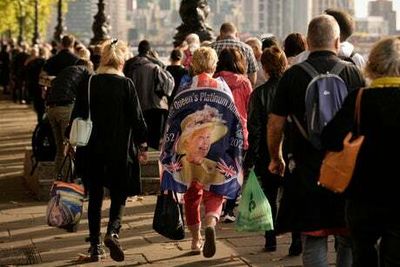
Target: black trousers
{"points": [[369, 222], [99, 173], [155, 120]]}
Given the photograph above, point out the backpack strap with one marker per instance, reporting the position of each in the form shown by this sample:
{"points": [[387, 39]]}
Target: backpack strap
{"points": [[339, 66], [307, 67], [300, 127]]}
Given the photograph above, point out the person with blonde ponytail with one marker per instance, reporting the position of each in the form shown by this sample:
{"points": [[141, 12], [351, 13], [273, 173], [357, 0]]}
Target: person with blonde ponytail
{"points": [[116, 146]]}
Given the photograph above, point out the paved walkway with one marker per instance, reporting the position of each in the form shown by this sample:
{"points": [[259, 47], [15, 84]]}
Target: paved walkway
{"points": [[26, 239]]}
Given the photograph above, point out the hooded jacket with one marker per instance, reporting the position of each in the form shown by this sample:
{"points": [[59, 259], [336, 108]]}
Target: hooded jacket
{"points": [[241, 89], [142, 72]]}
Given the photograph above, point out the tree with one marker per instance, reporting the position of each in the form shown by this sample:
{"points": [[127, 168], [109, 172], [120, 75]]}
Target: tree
{"points": [[10, 11]]}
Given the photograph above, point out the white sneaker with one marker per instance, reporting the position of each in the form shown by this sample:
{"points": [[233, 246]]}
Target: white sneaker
{"points": [[230, 217]]}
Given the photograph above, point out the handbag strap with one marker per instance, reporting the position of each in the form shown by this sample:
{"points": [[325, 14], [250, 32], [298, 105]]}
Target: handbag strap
{"points": [[90, 79], [69, 173], [357, 112]]}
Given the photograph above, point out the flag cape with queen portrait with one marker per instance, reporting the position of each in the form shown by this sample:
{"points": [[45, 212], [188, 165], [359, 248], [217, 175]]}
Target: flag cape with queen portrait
{"points": [[203, 141]]}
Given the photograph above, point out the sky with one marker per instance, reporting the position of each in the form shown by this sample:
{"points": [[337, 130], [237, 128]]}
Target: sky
{"points": [[362, 9]]}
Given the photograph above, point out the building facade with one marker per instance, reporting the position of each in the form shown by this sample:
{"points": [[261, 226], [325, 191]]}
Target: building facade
{"points": [[318, 6], [384, 9], [372, 26], [79, 19], [276, 17]]}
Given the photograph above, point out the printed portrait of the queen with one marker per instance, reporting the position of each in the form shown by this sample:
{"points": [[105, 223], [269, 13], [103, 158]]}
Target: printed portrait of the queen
{"points": [[199, 131]]}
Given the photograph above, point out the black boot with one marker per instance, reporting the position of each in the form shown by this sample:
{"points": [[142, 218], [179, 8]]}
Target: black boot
{"points": [[270, 241], [96, 250], [116, 252], [296, 247]]}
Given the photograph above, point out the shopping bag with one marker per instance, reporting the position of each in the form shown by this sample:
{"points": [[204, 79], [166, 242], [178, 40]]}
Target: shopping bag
{"points": [[168, 216], [254, 210], [64, 209]]}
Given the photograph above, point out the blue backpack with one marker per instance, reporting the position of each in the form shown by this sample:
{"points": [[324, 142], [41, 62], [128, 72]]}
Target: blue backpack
{"points": [[324, 97]]}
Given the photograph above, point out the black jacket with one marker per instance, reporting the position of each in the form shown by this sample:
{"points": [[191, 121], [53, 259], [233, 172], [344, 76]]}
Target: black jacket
{"points": [[117, 122], [311, 207], [64, 87], [142, 71], [260, 105], [376, 177], [60, 61]]}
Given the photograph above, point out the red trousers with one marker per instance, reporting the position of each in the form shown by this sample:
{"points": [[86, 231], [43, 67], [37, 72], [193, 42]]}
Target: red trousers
{"points": [[193, 198]]}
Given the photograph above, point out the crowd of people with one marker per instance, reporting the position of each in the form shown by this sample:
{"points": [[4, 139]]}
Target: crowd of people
{"points": [[207, 151]]}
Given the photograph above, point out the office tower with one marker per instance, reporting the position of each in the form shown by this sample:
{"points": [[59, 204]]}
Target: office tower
{"points": [[384, 9], [277, 17], [79, 19], [320, 5]]}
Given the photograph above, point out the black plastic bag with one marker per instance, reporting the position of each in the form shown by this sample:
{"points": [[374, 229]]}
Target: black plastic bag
{"points": [[168, 217]]}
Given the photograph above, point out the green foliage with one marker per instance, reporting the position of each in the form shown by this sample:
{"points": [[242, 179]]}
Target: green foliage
{"points": [[10, 10]]}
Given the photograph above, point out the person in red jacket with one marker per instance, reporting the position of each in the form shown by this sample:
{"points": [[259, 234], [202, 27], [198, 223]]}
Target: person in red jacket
{"points": [[232, 68]]}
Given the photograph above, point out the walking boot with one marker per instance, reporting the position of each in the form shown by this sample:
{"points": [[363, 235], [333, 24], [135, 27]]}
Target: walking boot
{"points": [[96, 250], [270, 241], [116, 252], [296, 247]]}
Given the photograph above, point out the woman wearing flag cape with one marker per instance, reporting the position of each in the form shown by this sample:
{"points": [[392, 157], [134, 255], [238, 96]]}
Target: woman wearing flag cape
{"points": [[202, 151]]}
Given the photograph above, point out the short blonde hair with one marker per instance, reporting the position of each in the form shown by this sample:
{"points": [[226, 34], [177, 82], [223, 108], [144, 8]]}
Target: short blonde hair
{"points": [[84, 53], [384, 59], [204, 60], [113, 53]]}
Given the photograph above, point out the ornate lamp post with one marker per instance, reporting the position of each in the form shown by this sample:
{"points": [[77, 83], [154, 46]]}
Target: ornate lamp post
{"points": [[60, 28], [21, 21], [193, 14], [100, 27], [36, 35]]}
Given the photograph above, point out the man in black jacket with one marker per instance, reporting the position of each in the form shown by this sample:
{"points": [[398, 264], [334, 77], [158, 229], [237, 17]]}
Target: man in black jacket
{"points": [[143, 69], [60, 99], [317, 212]]}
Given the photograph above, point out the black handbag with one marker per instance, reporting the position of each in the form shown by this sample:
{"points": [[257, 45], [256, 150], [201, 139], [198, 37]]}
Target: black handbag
{"points": [[168, 216]]}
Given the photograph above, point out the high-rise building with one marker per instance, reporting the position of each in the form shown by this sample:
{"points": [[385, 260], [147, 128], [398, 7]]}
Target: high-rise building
{"points": [[318, 6], [384, 9], [373, 26], [79, 19], [251, 12], [277, 17], [117, 10]]}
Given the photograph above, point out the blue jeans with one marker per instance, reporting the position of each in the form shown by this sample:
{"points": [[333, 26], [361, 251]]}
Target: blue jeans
{"points": [[315, 251]]}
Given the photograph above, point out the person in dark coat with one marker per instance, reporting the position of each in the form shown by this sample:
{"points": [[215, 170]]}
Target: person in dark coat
{"points": [[274, 64], [372, 196], [317, 213], [19, 93], [177, 71], [117, 121], [5, 68], [142, 70], [33, 68]]}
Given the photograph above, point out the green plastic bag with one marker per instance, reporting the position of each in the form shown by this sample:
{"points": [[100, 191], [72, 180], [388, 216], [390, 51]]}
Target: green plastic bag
{"points": [[254, 210]]}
